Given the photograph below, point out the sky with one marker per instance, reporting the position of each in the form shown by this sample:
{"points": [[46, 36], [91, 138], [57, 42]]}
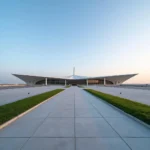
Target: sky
{"points": [[98, 37]]}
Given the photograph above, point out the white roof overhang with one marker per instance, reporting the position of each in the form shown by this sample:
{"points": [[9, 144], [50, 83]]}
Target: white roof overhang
{"points": [[114, 78]]}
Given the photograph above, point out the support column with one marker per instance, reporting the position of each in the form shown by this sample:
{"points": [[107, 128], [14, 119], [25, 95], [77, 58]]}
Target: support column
{"points": [[86, 82], [45, 81], [117, 83], [28, 83], [104, 81], [65, 82]]}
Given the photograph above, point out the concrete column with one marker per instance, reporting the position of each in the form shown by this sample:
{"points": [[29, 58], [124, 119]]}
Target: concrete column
{"points": [[86, 82], [28, 83], [65, 82], [45, 81], [104, 81], [117, 83]]}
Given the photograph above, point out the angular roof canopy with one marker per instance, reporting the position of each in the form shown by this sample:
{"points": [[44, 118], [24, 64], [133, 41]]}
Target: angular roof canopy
{"points": [[114, 78]]}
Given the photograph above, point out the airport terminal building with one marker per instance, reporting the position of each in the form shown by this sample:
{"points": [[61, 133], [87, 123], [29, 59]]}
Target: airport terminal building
{"points": [[74, 79]]}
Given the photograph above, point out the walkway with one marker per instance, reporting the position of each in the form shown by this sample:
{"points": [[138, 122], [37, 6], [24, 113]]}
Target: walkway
{"points": [[75, 120]]}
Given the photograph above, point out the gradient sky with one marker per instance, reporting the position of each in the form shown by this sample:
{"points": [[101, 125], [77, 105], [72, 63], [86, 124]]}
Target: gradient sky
{"points": [[98, 37]]}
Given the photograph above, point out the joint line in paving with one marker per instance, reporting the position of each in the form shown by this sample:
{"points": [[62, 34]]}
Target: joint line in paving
{"points": [[35, 130], [110, 125]]}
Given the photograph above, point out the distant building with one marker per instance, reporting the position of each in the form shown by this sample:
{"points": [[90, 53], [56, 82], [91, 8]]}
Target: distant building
{"points": [[75, 79]]}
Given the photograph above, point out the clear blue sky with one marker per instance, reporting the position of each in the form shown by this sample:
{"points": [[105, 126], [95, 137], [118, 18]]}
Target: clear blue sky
{"points": [[98, 37]]}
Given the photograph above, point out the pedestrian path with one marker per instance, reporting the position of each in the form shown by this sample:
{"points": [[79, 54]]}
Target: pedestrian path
{"points": [[75, 120]]}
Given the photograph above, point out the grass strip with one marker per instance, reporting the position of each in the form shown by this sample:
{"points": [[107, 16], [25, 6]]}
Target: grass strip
{"points": [[138, 110], [67, 86], [11, 110], [80, 86]]}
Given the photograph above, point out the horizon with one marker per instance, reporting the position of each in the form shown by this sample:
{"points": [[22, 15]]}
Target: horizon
{"points": [[99, 38]]}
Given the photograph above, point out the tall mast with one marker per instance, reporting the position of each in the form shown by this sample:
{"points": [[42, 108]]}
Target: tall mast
{"points": [[73, 70]]}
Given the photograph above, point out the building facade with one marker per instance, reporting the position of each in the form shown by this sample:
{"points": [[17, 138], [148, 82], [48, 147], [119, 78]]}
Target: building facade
{"points": [[74, 80]]}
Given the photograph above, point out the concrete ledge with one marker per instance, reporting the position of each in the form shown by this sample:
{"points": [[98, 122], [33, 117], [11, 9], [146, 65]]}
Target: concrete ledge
{"points": [[130, 116], [22, 114]]}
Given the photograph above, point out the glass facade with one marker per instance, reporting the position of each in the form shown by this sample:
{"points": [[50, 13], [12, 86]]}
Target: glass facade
{"points": [[73, 82]]}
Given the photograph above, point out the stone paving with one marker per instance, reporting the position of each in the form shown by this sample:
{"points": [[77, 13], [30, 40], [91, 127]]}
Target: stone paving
{"points": [[75, 120], [11, 95], [138, 95]]}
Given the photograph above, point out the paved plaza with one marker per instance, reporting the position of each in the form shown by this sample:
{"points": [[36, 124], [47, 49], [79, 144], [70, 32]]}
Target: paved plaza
{"points": [[138, 95], [75, 120], [14, 94]]}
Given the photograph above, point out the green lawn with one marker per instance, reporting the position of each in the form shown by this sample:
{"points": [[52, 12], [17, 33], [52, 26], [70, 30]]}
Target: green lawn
{"points": [[11, 110], [67, 86], [135, 109], [80, 86]]}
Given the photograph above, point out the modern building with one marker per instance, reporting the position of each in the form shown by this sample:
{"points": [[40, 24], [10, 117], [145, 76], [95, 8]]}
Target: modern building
{"points": [[75, 79]]}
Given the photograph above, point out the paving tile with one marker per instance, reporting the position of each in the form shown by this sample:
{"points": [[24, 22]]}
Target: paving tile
{"points": [[110, 112], [64, 106], [139, 94], [62, 113], [21, 128], [37, 113], [50, 144], [11, 95], [100, 144], [93, 127], [138, 143], [12, 143], [105, 109], [56, 127], [83, 105], [86, 112], [127, 127]]}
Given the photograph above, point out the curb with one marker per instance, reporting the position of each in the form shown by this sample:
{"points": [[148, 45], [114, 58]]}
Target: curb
{"points": [[130, 116], [123, 112], [27, 111]]}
